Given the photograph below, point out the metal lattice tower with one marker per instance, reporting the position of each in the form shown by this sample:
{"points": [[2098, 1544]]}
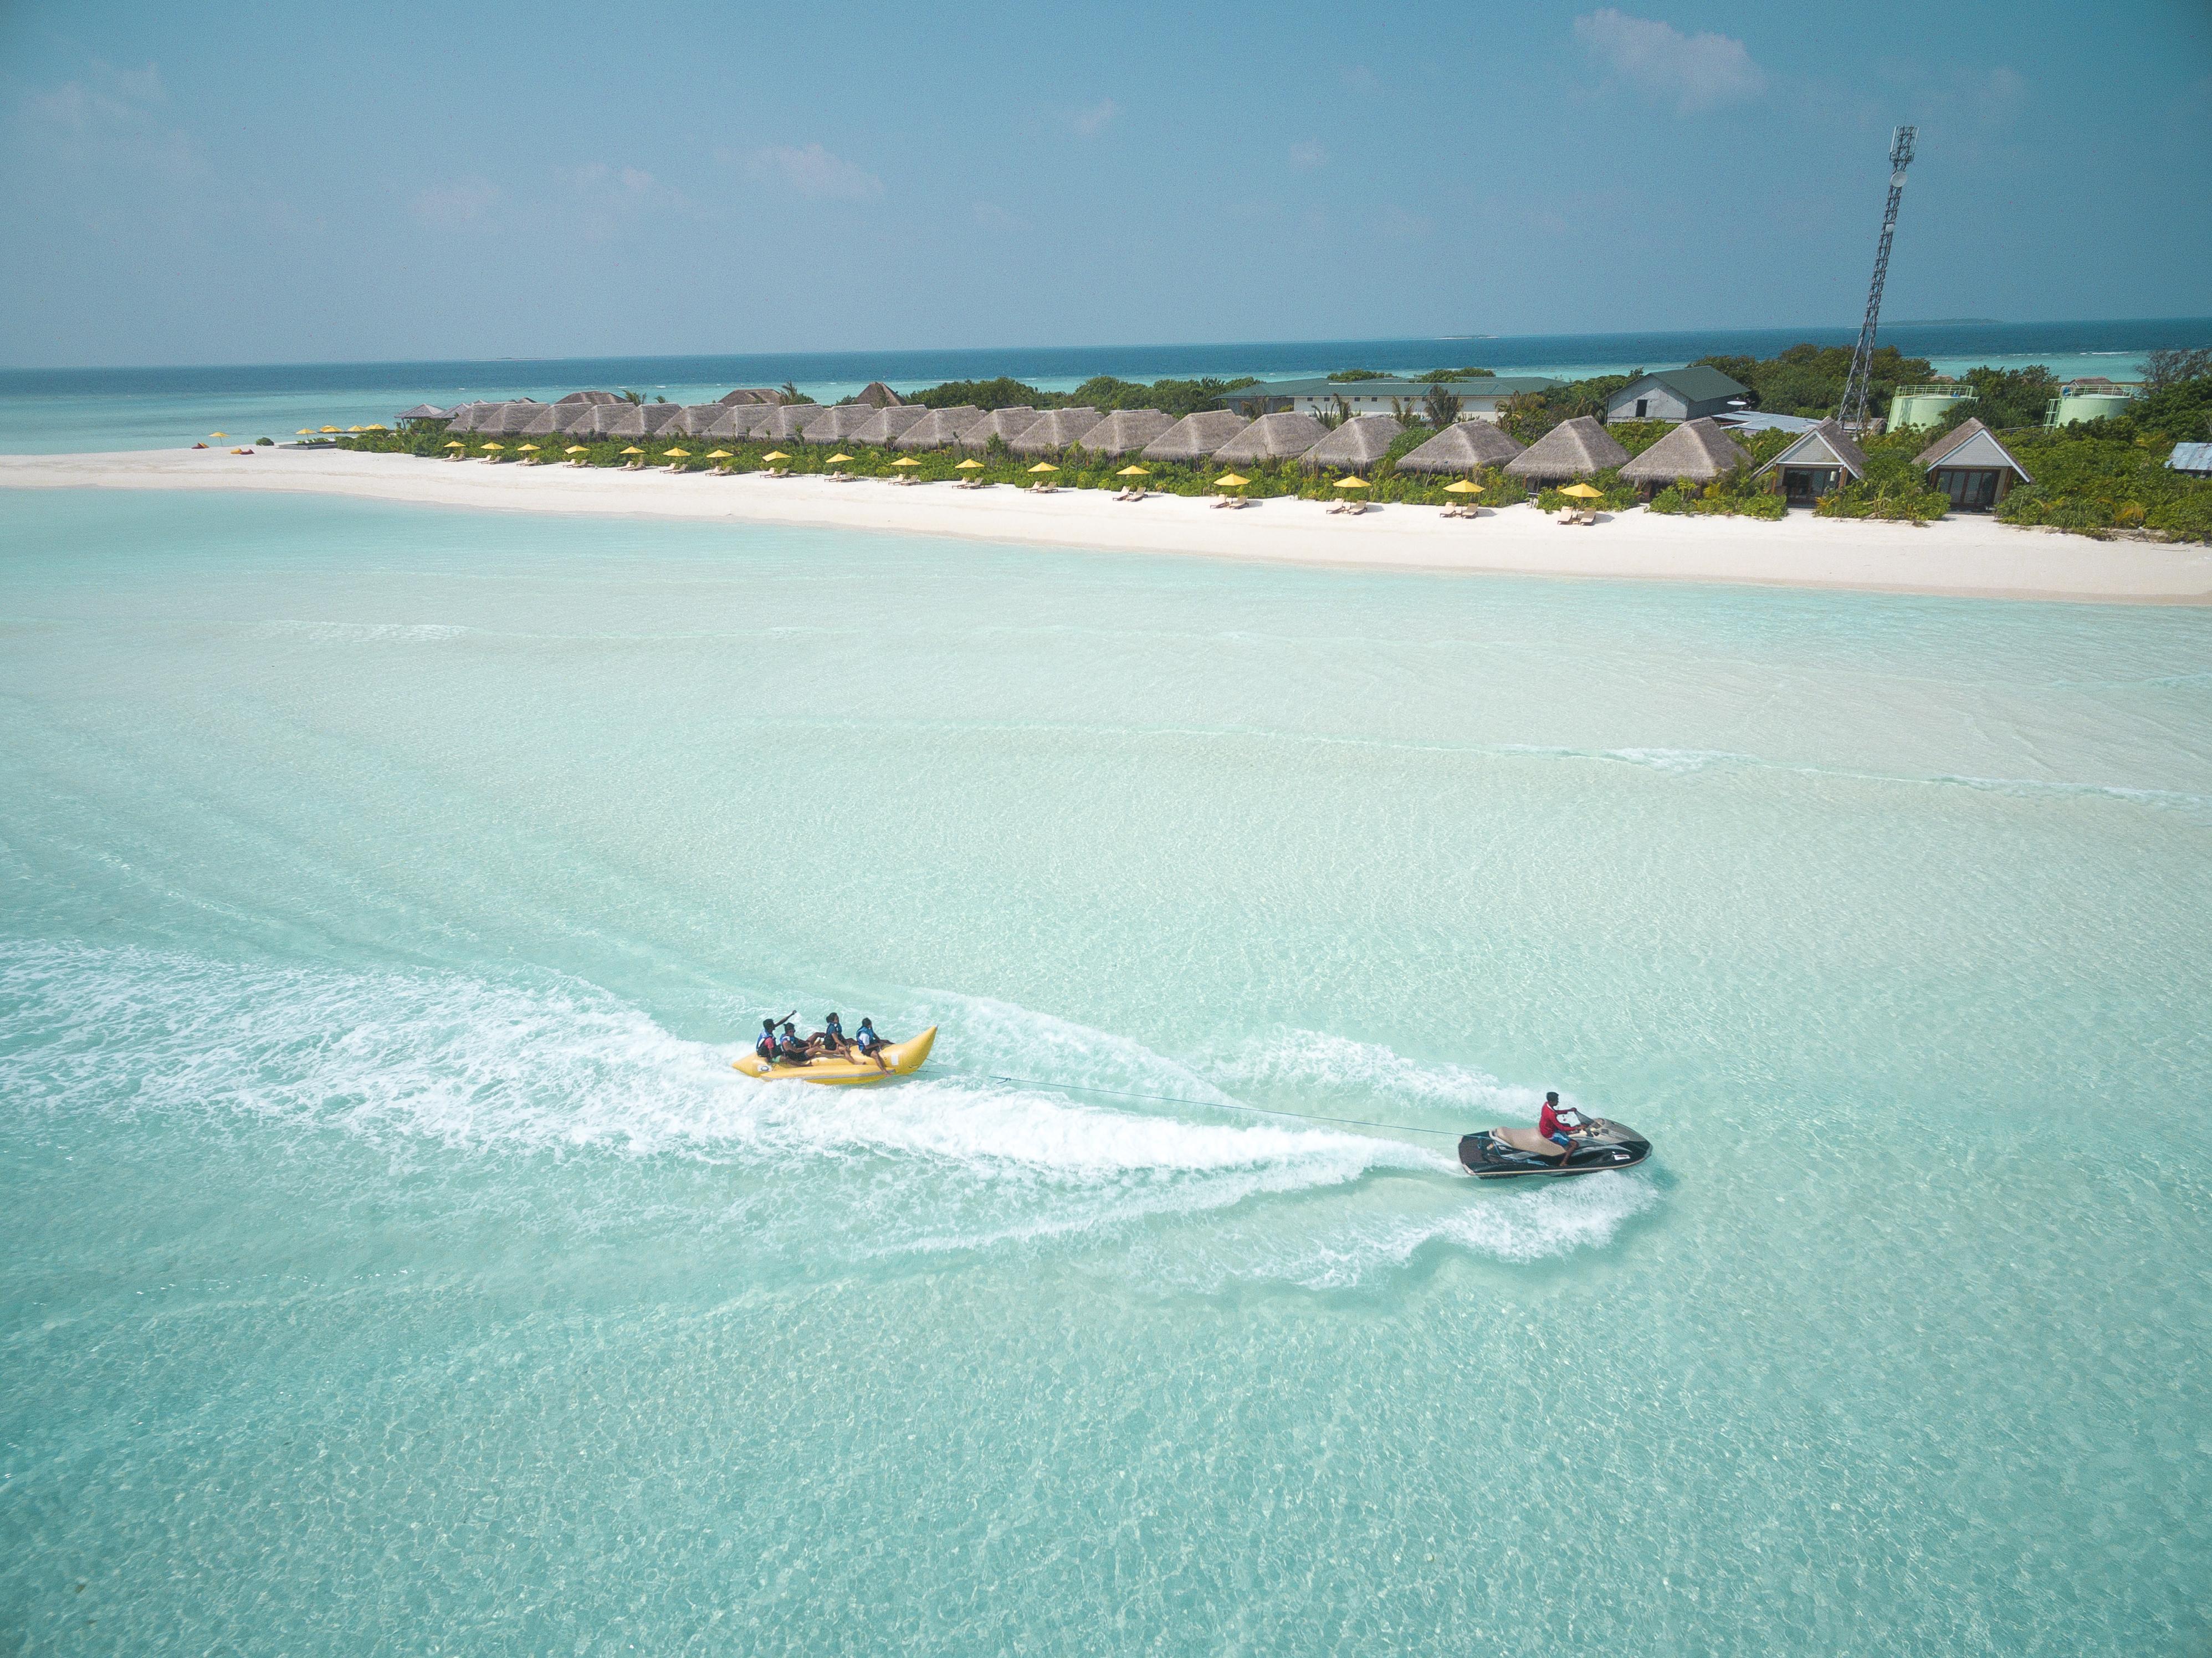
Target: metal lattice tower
{"points": [[1853, 413]]}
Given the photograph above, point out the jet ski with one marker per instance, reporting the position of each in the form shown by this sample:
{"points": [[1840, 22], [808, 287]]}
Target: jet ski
{"points": [[1510, 1153]]}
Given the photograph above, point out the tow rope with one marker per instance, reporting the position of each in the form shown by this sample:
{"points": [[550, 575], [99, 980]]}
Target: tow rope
{"points": [[1219, 1105]]}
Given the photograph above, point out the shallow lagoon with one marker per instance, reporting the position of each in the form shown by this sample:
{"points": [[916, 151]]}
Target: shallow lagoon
{"points": [[389, 1260]]}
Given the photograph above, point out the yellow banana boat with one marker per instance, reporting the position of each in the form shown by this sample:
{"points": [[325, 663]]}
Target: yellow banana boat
{"points": [[900, 1059]]}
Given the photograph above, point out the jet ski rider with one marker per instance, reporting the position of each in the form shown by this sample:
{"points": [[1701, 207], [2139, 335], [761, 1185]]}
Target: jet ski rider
{"points": [[1552, 1123]]}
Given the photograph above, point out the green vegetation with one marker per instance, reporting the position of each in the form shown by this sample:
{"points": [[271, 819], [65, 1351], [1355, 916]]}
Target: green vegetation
{"points": [[1527, 415], [1103, 393], [1893, 488], [2004, 399], [1347, 374], [1435, 375], [1808, 379], [2093, 481], [1739, 494]]}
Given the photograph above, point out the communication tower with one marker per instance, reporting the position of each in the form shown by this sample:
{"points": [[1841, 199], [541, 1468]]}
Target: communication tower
{"points": [[1853, 413]]}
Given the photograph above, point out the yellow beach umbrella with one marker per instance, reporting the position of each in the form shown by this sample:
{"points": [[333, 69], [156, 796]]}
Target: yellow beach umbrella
{"points": [[1464, 486], [1231, 481], [1133, 472], [970, 466], [1583, 492], [356, 428], [633, 450], [718, 454], [837, 460], [527, 449], [330, 428], [218, 434], [457, 444], [1355, 482], [776, 454], [1044, 466], [906, 460], [578, 449], [490, 447], [305, 432], [677, 454]]}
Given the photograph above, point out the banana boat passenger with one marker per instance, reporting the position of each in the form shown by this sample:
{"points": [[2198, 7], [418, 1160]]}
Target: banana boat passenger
{"points": [[830, 1039], [870, 1044]]}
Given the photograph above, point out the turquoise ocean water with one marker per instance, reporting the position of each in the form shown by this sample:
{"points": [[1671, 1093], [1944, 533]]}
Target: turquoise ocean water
{"points": [[389, 1262]]}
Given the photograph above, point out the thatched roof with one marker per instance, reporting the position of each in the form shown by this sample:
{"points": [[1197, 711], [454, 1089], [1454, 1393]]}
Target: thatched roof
{"points": [[1360, 441], [1827, 445], [570, 419], [839, 422], [786, 421], [470, 417], [1124, 431], [603, 420], [514, 418], [697, 417], [887, 424], [1281, 436], [592, 397], [1697, 449], [645, 420], [1053, 432], [1196, 436], [940, 428], [422, 411], [545, 422], [751, 394], [1573, 448], [1462, 446], [877, 395], [1970, 444], [1004, 424]]}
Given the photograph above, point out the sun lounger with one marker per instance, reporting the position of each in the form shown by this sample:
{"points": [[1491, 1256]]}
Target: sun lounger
{"points": [[633, 466], [579, 461], [1044, 489]]}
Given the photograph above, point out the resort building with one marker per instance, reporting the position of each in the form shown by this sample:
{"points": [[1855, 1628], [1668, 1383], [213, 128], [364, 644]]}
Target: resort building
{"points": [[1194, 437], [1824, 460], [887, 425], [1356, 444], [1052, 433], [752, 394], [2192, 458], [1283, 435], [1478, 397], [1466, 446], [1970, 465], [1574, 448], [1125, 430], [1004, 424], [2093, 397], [1927, 405], [1696, 452], [938, 428], [1677, 394]]}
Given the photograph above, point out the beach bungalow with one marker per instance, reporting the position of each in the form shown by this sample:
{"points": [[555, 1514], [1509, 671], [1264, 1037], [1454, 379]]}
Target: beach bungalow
{"points": [[1196, 436], [1464, 446], [645, 420], [593, 397], [1677, 394], [422, 414], [601, 421], [1283, 435], [1004, 424], [888, 424], [1970, 465], [547, 420], [751, 394], [1479, 397], [1574, 448], [839, 422], [470, 417], [875, 395], [575, 419], [785, 421], [697, 417], [1125, 431], [938, 428], [1356, 444], [1824, 459], [514, 418], [1053, 432], [1696, 452]]}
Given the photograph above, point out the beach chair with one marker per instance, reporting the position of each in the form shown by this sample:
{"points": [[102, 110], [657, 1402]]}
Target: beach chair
{"points": [[633, 466], [579, 461]]}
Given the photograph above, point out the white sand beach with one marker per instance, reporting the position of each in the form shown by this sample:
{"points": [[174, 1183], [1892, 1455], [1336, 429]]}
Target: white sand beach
{"points": [[1969, 556]]}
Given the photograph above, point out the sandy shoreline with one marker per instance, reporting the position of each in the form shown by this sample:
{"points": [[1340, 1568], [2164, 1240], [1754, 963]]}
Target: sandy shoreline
{"points": [[1974, 557]]}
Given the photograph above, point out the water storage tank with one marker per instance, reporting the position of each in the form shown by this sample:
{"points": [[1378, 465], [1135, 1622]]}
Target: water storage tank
{"points": [[1925, 405], [2090, 400]]}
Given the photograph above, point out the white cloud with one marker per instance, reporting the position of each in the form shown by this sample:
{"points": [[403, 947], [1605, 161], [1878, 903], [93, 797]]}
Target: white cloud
{"points": [[1308, 155], [813, 170], [465, 201], [1696, 71], [1094, 120], [111, 116]]}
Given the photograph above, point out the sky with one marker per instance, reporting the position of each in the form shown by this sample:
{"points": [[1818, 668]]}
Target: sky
{"points": [[250, 184]]}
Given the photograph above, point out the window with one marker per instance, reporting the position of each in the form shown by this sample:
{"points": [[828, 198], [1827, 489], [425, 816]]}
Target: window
{"points": [[1642, 406]]}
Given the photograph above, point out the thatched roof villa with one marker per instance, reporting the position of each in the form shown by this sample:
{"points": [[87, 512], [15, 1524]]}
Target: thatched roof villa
{"points": [[469, 417], [751, 394], [547, 420], [875, 395], [1696, 452], [786, 421], [593, 397], [602, 419], [1824, 460], [839, 422], [888, 424], [1053, 432], [1283, 435], [1124, 431], [1481, 397], [645, 420], [1465, 445], [938, 428], [1359, 442], [1004, 424], [421, 411], [1194, 437], [514, 418], [1574, 448], [575, 419]]}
